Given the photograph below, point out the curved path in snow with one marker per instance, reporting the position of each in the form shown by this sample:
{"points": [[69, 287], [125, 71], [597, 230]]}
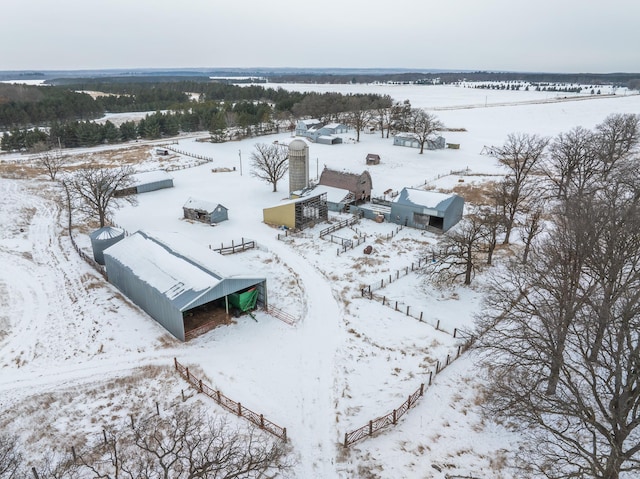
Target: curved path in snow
{"points": [[314, 432]]}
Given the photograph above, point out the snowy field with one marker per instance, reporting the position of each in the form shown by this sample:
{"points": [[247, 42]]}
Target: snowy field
{"points": [[75, 354]]}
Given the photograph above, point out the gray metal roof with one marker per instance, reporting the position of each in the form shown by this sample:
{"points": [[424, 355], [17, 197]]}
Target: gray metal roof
{"points": [[186, 273]]}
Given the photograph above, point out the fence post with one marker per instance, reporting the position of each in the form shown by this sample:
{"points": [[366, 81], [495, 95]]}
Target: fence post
{"points": [[345, 439], [438, 325], [35, 473], [218, 396], [396, 306], [407, 310], [430, 377], [397, 274], [459, 346], [187, 369], [239, 409], [394, 416], [370, 428], [284, 433], [437, 367], [200, 384], [390, 280], [175, 362], [382, 283], [447, 360], [73, 453], [384, 298], [455, 331], [261, 421], [420, 315], [421, 389], [409, 402], [157, 408]]}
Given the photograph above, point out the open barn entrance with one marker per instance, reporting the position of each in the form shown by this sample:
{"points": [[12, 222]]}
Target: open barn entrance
{"points": [[220, 311], [205, 317]]}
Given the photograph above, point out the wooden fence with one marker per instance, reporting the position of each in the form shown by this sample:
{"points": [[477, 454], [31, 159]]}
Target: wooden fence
{"points": [[400, 273], [391, 419], [234, 248], [340, 225], [231, 405], [383, 421]]}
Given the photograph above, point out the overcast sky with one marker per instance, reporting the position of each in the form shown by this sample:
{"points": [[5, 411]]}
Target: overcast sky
{"points": [[542, 35]]}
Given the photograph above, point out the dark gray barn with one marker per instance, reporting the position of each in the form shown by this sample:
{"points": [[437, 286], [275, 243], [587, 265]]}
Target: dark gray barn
{"points": [[179, 283], [426, 209]]}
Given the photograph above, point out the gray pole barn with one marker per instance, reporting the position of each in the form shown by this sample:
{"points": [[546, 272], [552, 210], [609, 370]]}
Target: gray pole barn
{"points": [[426, 209], [175, 279]]}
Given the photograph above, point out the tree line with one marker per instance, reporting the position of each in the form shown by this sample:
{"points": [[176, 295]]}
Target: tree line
{"points": [[560, 330], [184, 443]]}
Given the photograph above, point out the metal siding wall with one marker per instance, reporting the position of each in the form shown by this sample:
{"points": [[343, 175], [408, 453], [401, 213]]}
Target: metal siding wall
{"points": [[281, 215], [453, 214], [156, 185], [146, 297]]}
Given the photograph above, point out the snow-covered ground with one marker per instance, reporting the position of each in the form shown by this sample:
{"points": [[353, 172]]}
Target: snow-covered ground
{"points": [[75, 354]]}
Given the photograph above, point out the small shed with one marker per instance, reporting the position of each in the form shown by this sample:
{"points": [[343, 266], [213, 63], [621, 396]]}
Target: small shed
{"points": [[145, 182], [426, 209], [373, 159], [359, 185], [162, 152], [178, 282], [205, 211], [299, 213]]}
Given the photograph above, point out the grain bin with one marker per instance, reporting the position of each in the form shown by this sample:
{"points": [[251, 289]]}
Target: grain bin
{"points": [[298, 165], [102, 238]]}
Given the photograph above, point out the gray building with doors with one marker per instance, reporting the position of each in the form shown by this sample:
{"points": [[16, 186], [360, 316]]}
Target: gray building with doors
{"points": [[175, 280], [147, 181], [426, 209]]}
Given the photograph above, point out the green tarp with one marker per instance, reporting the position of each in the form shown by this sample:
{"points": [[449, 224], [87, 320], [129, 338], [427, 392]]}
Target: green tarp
{"points": [[244, 301]]}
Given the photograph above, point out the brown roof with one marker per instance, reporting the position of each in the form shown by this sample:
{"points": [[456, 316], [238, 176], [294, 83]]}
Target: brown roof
{"points": [[342, 179]]}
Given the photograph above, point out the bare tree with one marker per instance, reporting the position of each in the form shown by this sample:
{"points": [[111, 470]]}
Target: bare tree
{"points": [[572, 161], [384, 115], [423, 126], [96, 188], [401, 116], [10, 457], [562, 332], [531, 228], [458, 252], [521, 154], [52, 162], [270, 163], [358, 113]]}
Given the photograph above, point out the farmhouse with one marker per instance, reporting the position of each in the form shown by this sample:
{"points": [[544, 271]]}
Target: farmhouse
{"points": [[299, 213], [358, 184], [316, 132], [410, 140], [304, 126], [426, 209], [147, 181], [205, 211], [179, 283]]}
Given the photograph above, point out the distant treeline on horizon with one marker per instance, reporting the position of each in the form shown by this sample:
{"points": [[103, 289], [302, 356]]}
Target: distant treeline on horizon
{"points": [[321, 75]]}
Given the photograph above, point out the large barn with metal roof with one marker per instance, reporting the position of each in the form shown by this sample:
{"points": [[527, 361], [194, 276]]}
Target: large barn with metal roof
{"points": [[179, 283]]}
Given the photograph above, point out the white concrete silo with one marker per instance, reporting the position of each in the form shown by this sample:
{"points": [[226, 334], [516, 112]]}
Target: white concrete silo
{"points": [[298, 165]]}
